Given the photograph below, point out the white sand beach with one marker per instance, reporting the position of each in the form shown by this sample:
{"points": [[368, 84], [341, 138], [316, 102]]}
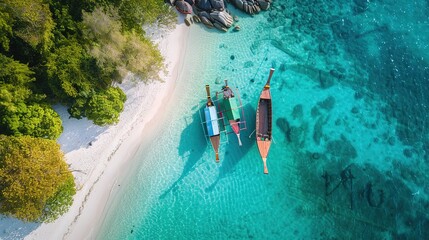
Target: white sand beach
{"points": [[100, 156]]}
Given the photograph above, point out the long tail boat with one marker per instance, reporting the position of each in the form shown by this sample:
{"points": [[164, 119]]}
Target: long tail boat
{"points": [[231, 110], [264, 122], [212, 123]]}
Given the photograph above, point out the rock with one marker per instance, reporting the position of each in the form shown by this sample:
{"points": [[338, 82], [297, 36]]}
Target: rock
{"points": [[183, 7], [358, 95], [237, 28], [206, 19], [342, 28], [297, 111], [219, 26], [298, 134], [248, 64], [391, 141], [318, 130], [341, 148], [171, 2], [264, 4], [217, 5], [239, 4], [196, 19], [408, 153], [218, 80], [232, 57], [355, 110], [187, 22], [222, 17], [315, 112], [325, 80], [190, 2], [315, 156], [284, 126], [328, 103], [338, 122], [361, 6], [336, 74], [203, 5]]}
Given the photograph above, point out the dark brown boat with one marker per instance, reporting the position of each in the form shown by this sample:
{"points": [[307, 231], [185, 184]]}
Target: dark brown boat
{"points": [[264, 122]]}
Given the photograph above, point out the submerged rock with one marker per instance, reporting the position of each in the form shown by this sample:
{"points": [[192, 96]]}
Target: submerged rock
{"points": [[318, 130], [328, 103], [297, 111], [342, 149], [248, 64], [284, 126]]}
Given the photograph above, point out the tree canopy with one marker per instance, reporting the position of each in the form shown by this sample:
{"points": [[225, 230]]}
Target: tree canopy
{"points": [[20, 112], [104, 107], [35, 183], [32, 22], [120, 52], [69, 52]]}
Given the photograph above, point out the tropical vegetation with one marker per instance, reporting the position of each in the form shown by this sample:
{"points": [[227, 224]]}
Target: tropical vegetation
{"points": [[68, 52]]}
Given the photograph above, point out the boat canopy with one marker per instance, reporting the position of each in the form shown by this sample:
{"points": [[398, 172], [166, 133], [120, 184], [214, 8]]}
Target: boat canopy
{"points": [[211, 121], [231, 109]]}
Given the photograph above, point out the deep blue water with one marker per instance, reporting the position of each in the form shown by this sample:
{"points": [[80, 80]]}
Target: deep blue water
{"points": [[350, 159]]}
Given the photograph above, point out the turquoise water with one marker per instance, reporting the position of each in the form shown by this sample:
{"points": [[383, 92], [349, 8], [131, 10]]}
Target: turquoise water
{"points": [[350, 157]]}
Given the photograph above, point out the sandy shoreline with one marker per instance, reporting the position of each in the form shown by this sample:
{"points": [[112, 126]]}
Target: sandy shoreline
{"points": [[99, 156]]}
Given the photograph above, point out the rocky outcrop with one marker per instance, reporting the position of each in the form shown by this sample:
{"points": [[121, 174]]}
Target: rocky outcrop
{"points": [[251, 6], [222, 17], [213, 13]]}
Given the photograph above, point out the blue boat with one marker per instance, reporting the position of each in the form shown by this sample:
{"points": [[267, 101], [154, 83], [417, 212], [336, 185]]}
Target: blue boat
{"points": [[212, 124]]}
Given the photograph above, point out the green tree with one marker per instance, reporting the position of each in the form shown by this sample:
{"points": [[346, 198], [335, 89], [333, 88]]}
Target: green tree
{"points": [[104, 107], [103, 31], [67, 75], [20, 114], [5, 28], [35, 183], [34, 120], [120, 52], [32, 22], [141, 57], [14, 72], [135, 13]]}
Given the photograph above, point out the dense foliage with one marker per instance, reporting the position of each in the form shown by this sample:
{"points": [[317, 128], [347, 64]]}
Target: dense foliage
{"points": [[69, 52], [35, 183]]}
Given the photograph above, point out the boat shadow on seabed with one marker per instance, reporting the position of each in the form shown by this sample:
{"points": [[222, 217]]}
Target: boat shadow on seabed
{"points": [[192, 147], [234, 153]]}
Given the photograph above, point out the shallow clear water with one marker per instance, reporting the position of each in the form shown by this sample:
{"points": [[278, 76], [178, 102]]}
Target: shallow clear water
{"points": [[350, 156]]}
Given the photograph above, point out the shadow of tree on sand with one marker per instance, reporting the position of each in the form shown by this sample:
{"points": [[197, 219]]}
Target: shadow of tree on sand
{"points": [[235, 153], [192, 147], [12, 228]]}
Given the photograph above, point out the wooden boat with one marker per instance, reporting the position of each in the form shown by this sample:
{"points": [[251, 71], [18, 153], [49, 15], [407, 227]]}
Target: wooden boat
{"points": [[212, 123], [264, 122], [231, 110]]}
